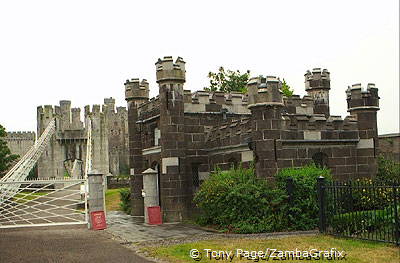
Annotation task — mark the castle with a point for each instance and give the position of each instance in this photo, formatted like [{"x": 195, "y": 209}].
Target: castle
[
  {"x": 185, "y": 135},
  {"x": 66, "y": 152}
]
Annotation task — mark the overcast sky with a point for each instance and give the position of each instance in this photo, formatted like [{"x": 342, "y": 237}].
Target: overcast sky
[{"x": 83, "y": 51}]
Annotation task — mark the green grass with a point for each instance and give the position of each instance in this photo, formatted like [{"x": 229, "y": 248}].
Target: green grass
[
  {"x": 23, "y": 197},
  {"x": 355, "y": 250},
  {"x": 113, "y": 199}
]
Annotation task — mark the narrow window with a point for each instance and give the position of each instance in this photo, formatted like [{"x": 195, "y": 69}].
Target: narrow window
[{"x": 195, "y": 176}]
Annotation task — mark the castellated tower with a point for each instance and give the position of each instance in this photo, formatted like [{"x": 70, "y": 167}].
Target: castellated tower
[
  {"x": 266, "y": 104},
  {"x": 136, "y": 93},
  {"x": 363, "y": 104},
  {"x": 174, "y": 181},
  {"x": 317, "y": 84},
  {"x": 68, "y": 144}
]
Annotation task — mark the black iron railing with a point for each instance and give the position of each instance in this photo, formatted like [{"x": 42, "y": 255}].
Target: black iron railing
[{"x": 362, "y": 209}]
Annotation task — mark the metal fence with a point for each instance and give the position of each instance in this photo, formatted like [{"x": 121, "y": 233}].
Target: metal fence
[{"x": 362, "y": 209}]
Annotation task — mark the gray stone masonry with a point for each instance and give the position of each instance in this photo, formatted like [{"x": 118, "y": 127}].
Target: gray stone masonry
[
  {"x": 96, "y": 191},
  {"x": 150, "y": 190}
]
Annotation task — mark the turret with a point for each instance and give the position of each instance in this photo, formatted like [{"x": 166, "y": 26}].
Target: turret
[
  {"x": 317, "y": 84},
  {"x": 266, "y": 103},
  {"x": 363, "y": 104},
  {"x": 137, "y": 92},
  {"x": 265, "y": 91},
  {"x": 359, "y": 98},
  {"x": 169, "y": 72},
  {"x": 170, "y": 78}
]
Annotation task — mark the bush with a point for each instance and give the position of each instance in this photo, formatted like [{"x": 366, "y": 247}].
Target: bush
[
  {"x": 238, "y": 201},
  {"x": 302, "y": 212},
  {"x": 125, "y": 197},
  {"x": 365, "y": 197},
  {"x": 388, "y": 170}
]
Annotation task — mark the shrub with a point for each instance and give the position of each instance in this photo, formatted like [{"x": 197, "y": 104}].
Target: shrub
[
  {"x": 302, "y": 212},
  {"x": 125, "y": 197},
  {"x": 388, "y": 170},
  {"x": 238, "y": 201},
  {"x": 369, "y": 194},
  {"x": 363, "y": 221}
]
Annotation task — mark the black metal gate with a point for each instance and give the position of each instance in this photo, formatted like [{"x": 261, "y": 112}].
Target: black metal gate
[{"x": 361, "y": 209}]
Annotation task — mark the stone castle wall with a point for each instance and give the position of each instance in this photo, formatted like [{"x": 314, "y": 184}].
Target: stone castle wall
[
  {"x": 69, "y": 143},
  {"x": 20, "y": 142},
  {"x": 389, "y": 146}
]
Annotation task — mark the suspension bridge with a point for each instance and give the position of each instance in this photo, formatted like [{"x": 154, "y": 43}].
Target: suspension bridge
[{"x": 43, "y": 202}]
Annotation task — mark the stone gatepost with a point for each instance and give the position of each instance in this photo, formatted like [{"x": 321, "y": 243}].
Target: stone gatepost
[
  {"x": 96, "y": 192},
  {"x": 150, "y": 191}
]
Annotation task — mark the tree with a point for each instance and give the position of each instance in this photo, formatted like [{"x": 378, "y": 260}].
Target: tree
[
  {"x": 286, "y": 89},
  {"x": 227, "y": 81},
  {"x": 6, "y": 158}
]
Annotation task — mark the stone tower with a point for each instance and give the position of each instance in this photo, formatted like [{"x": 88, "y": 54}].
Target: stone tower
[
  {"x": 174, "y": 182},
  {"x": 136, "y": 93},
  {"x": 363, "y": 104},
  {"x": 317, "y": 84},
  {"x": 266, "y": 106}
]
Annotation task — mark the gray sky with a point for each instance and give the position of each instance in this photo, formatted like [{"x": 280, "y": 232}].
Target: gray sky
[{"x": 83, "y": 51}]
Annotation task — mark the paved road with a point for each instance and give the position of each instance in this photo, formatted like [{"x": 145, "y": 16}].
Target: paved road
[{"x": 62, "y": 244}]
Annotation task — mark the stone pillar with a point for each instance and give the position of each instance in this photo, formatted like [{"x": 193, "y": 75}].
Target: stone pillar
[
  {"x": 96, "y": 192},
  {"x": 150, "y": 190}
]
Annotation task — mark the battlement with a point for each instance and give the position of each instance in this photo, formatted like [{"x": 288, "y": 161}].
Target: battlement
[
  {"x": 93, "y": 110},
  {"x": 135, "y": 89},
  {"x": 264, "y": 91},
  {"x": 167, "y": 70},
  {"x": 230, "y": 133},
  {"x": 359, "y": 97},
  {"x": 317, "y": 79},
  {"x": 297, "y": 105},
  {"x": 20, "y": 135},
  {"x": 204, "y": 101}
]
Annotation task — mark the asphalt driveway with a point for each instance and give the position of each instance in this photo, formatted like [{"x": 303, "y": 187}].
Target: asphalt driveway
[{"x": 62, "y": 244}]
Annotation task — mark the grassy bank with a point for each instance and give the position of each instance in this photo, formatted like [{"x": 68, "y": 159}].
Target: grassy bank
[
  {"x": 355, "y": 250},
  {"x": 113, "y": 199}
]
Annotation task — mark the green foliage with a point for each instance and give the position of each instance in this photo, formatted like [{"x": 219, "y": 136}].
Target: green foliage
[
  {"x": 227, "y": 81},
  {"x": 366, "y": 195},
  {"x": 286, "y": 89},
  {"x": 302, "y": 212},
  {"x": 238, "y": 201},
  {"x": 125, "y": 197},
  {"x": 6, "y": 158},
  {"x": 388, "y": 170},
  {"x": 364, "y": 221}
]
